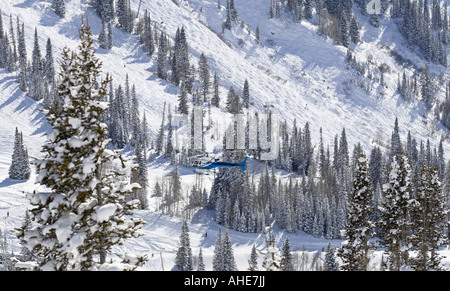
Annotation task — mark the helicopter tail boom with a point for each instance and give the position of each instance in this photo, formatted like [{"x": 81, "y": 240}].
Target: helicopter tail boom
[{"x": 243, "y": 164}]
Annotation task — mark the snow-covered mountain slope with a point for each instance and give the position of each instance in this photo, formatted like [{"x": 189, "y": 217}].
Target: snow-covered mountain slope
[{"x": 302, "y": 74}]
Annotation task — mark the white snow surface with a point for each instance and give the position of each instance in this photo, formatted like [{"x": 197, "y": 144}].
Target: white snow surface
[{"x": 302, "y": 74}]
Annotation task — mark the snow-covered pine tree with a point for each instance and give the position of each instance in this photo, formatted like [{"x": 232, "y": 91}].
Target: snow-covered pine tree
[
  {"x": 49, "y": 67},
  {"x": 26, "y": 254},
  {"x": 37, "y": 75},
  {"x": 161, "y": 70},
  {"x": 22, "y": 77},
  {"x": 141, "y": 174},
  {"x": 343, "y": 28},
  {"x": 201, "y": 264},
  {"x": 354, "y": 252},
  {"x": 354, "y": 30},
  {"x": 330, "y": 259},
  {"x": 183, "y": 258},
  {"x": 183, "y": 107},
  {"x": 160, "y": 137},
  {"x": 145, "y": 133},
  {"x": 182, "y": 64},
  {"x": 6, "y": 254},
  {"x": 173, "y": 196},
  {"x": 253, "y": 261},
  {"x": 169, "y": 150},
  {"x": 396, "y": 144},
  {"x": 217, "y": 262},
  {"x": 229, "y": 263},
  {"x": 109, "y": 36},
  {"x": 147, "y": 34},
  {"x": 429, "y": 215},
  {"x": 394, "y": 221},
  {"x": 135, "y": 119},
  {"x": 257, "y": 34},
  {"x": 287, "y": 263},
  {"x": 124, "y": 16},
  {"x": 204, "y": 76},
  {"x": 233, "y": 11},
  {"x": 83, "y": 214},
  {"x": 246, "y": 95},
  {"x": 20, "y": 166},
  {"x": 118, "y": 125},
  {"x": 227, "y": 23},
  {"x": 13, "y": 55},
  {"x": 59, "y": 7},
  {"x": 234, "y": 104},
  {"x": 103, "y": 36},
  {"x": 215, "y": 100}
]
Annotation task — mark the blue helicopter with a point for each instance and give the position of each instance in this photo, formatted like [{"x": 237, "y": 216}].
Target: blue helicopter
[{"x": 202, "y": 165}]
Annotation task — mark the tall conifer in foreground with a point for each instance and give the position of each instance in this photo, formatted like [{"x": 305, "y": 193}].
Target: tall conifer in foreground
[
  {"x": 184, "y": 254},
  {"x": 20, "y": 167},
  {"x": 359, "y": 229},
  {"x": 430, "y": 217},
  {"x": 84, "y": 213},
  {"x": 394, "y": 223}
]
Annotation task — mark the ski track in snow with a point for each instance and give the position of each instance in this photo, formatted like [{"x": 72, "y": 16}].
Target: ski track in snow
[{"x": 300, "y": 73}]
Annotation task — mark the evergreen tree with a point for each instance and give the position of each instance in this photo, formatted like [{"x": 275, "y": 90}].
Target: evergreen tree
[
  {"x": 160, "y": 137},
  {"x": 257, "y": 34},
  {"x": 135, "y": 119},
  {"x": 37, "y": 77},
  {"x": 26, "y": 254},
  {"x": 227, "y": 23},
  {"x": 216, "y": 98},
  {"x": 394, "y": 221},
  {"x": 141, "y": 175},
  {"x": 147, "y": 34},
  {"x": 49, "y": 67},
  {"x": 83, "y": 215},
  {"x": 162, "y": 57},
  {"x": 234, "y": 105},
  {"x": 23, "y": 71},
  {"x": 103, "y": 37},
  {"x": 287, "y": 263},
  {"x": 20, "y": 167},
  {"x": 59, "y": 7},
  {"x": 204, "y": 76},
  {"x": 330, "y": 260},
  {"x": 13, "y": 57},
  {"x": 218, "y": 264},
  {"x": 253, "y": 261},
  {"x": 109, "y": 37},
  {"x": 201, "y": 264},
  {"x": 430, "y": 217},
  {"x": 246, "y": 95},
  {"x": 343, "y": 33},
  {"x": 183, "y": 100},
  {"x": 124, "y": 15},
  {"x": 354, "y": 251},
  {"x": 181, "y": 64},
  {"x": 229, "y": 263},
  {"x": 396, "y": 144},
  {"x": 354, "y": 30},
  {"x": 184, "y": 254}
]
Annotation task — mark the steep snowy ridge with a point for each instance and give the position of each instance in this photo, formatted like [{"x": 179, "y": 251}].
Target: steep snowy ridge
[{"x": 302, "y": 74}]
